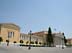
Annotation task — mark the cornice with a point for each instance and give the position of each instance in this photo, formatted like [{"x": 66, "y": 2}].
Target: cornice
[{"x": 10, "y": 25}]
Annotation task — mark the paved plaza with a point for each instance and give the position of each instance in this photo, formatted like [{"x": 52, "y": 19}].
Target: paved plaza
[{"x": 34, "y": 50}]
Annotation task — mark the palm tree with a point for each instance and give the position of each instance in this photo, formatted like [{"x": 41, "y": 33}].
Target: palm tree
[
  {"x": 7, "y": 42},
  {"x": 1, "y": 40}
]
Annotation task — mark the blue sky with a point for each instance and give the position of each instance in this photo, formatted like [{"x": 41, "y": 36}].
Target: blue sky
[{"x": 38, "y": 15}]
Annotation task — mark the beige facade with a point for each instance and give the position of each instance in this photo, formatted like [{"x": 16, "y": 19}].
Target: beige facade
[
  {"x": 69, "y": 41},
  {"x": 9, "y": 31},
  {"x": 34, "y": 38},
  {"x": 58, "y": 38}
]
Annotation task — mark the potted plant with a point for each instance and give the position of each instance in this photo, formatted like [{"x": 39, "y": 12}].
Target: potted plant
[{"x": 7, "y": 42}]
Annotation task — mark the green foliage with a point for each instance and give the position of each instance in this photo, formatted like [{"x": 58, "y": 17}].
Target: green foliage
[
  {"x": 14, "y": 42},
  {"x": 32, "y": 42},
  {"x": 7, "y": 42},
  {"x": 27, "y": 42},
  {"x": 21, "y": 41},
  {"x": 65, "y": 40},
  {"x": 40, "y": 43},
  {"x": 45, "y": 42},
  {"x": 1, "y": 39},
  {"x": 49, "y": 38},
  {"x": 36, "y": 42}
]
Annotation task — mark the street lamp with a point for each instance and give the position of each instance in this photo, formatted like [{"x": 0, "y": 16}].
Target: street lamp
[
  {"x": 63, "y": 41},
  {"x": 8, "y": 39},
  {"x": 62, "y": 44},
  {"x": 30, "y": 33}
]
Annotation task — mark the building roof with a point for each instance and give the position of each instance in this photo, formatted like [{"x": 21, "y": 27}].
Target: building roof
[
  {"x": 10, "y": 25},
  {"x": 69, "y": 39},
  {"x": 29, "y": 36},
  {"x": 42, "y": 33}
]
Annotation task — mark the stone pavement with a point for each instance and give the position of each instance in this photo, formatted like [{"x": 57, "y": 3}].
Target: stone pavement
[{"x": 34, "y": 50}]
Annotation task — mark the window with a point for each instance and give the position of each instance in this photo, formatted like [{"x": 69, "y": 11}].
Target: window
[
  {"x": 10, "y": 34},
  {"x": 22, "y": 37},
  {"x": 13, "y": 34}
]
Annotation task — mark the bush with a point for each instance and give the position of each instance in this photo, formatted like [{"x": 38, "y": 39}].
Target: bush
[
  {"x": 14, "y": 42},
  {"x": 21, "y": 41},
  {"x": 1, "y": 39},
  {"x": 7, "y": 41}
]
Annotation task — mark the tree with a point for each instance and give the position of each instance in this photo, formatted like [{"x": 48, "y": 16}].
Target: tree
[
  {"x": 36, "y": 42},
  {"x": 1, "y": 40},
  {"x": 49, "y": 38},
  {"x": 65, "y": 40},
  {"x": 7, "y": 42},
  {"x": 27, "y": 42},
  {"x": 32, "y": 42},
  {"x": 21, "y": 41},
  {"x": 14, "y": 42},
  {"x": 40, "y": 43}
]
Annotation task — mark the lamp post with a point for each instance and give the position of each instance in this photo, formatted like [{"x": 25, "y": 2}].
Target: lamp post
[
  {"x": 30, "y": 33},
  {"x": 63, "y": 41},
  {"x": 8, "y": 39},
  {"x": 62, "y": 44}
]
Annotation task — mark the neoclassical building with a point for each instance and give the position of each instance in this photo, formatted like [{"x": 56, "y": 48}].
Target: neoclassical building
[
  {"x": 69, "y": 41},
  {"x": 58, "y": 38},
  {"x": 9, "y": 31},
  {"x": 34, "y": 39}
]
